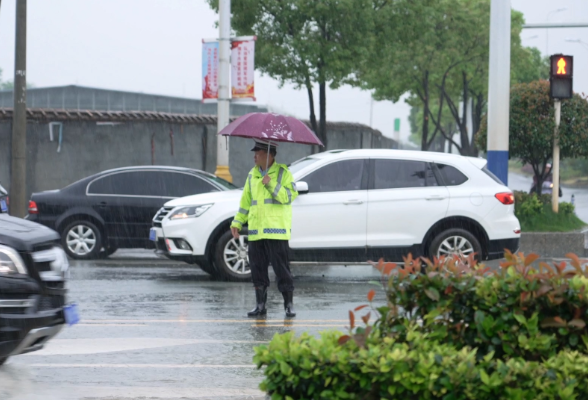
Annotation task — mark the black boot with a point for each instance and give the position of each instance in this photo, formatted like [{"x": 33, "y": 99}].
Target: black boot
[
  {"x": 260, "y": 299},
  {"x": 289, "y": 304}
]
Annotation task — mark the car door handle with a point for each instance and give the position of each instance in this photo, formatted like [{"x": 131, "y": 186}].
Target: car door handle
[
  {"x": 102, "y": 204},
  {"x": 435, "y": 198},
  {"x": 352, "y": 202}
]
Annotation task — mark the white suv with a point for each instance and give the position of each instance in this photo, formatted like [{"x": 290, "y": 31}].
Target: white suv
[{"x": 354, "y": 206}]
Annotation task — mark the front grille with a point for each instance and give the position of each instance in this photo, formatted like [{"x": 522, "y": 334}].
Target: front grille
[
  {"x": 43, "y": 266},
  {"x": 51, "y": 303},
  {"x": 161, "y": 214}
]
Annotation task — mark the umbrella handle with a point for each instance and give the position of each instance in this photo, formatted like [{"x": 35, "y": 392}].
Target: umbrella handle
[{"x": 267, "y": 159}]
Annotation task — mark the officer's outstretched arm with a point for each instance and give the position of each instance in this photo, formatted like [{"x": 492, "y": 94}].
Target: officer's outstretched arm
[
  {"x": 241, "y": 217},
  {"x": 283, "y": 189}
]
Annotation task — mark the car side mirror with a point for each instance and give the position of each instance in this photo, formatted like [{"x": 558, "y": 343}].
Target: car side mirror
[{"x": 301, "y": 187}]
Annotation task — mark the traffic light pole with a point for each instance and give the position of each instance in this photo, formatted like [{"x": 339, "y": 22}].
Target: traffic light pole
[
  {"x": 499, "y": 89},
  {"x": 19, "y": 116},
  {"x": 555, "y": 163}
]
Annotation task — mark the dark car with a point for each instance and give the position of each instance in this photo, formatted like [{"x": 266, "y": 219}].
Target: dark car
[
  {"x": 33, "y": 269},
  {"x": 114, "y": 209},
  {"x": 3, "y": 200}
]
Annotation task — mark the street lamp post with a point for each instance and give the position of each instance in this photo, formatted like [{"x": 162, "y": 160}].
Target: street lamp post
[
  {"x": 222, "y": 150},
  {"x": 547, "y": 30}
]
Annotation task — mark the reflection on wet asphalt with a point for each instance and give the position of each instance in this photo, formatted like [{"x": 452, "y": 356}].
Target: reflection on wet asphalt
[{"x": 159, "y": 330}]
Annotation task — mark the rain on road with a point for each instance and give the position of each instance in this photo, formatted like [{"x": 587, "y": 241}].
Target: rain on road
[{"x": 161, "y": 330}]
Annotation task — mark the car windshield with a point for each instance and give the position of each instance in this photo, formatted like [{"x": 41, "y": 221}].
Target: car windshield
[
  {"x": 301, "y": 164},
  {"x": 225, "y": 185}
]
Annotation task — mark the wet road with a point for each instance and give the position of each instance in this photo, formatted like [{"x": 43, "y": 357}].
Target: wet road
[
  {"x": 153, "y": 329},
  {"x": 520, "y": 182}
]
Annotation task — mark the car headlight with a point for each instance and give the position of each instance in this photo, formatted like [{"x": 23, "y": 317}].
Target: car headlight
[
  {"x": 189, "y": 212},
  {"x": 11, "y": 262}
]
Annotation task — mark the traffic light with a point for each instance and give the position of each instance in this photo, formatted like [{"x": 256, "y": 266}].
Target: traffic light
[{"x": 561, "y": 76}]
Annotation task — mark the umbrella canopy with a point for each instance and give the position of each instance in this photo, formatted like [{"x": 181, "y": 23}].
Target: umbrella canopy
[{"x": 271, "y": 127}]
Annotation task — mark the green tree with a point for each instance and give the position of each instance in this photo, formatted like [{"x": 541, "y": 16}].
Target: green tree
[
  {"x": 437, "y": 51},
  {"x": 306, "y": 42},
  {"x": 532, "y": 125}
]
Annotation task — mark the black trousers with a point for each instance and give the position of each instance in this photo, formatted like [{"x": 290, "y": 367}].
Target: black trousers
[{"x": 261, "y": 254}]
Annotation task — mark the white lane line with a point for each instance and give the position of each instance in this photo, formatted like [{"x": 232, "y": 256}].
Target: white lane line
[
  {"x": 221, "y": 321},
  {"x": 295, "y": 325},
  {"x": 217, "y": 366},
  {"x": 110, "y": 345}
]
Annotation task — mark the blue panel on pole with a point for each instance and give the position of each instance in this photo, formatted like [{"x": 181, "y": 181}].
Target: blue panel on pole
[{"x": 498, "y": 164}]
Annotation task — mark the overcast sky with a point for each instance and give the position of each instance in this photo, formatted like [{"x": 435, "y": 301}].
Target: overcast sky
[{"x": 154, "y": 46}]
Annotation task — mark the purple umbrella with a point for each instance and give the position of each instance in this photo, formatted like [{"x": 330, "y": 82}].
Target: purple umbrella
[{"x": 271, "y": 127}]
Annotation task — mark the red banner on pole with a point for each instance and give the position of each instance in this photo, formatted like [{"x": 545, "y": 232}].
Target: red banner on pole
[
  {"x": 210, "y": 55},
  {"x": 243, "y": 68}
]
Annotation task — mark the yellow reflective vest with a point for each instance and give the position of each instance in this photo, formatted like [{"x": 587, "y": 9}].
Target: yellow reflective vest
[{"x": 267, "y": 209}]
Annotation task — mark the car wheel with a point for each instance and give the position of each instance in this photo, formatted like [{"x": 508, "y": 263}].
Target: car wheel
[
  {"x": 455, "y": 241},
  {"x": 232, "y": 258},
  {"x": 82, "y": 240}
]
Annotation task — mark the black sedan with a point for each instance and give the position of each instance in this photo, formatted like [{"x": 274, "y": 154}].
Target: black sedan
[{"x": 114, "y": 209}]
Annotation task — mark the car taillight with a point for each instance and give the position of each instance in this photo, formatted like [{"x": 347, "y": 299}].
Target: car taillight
[
  {"x": 7, "y": 200},
  {"x": 505, "y": 198},
  {"x": 33, "y": 207}
]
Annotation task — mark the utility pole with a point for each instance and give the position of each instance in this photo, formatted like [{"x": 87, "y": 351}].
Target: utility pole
[
  {"x": 555, "y": 163},
  {"x": 222, "y": 149},
  {"x": 19, "y": 116},
  {"x": 499, "y": 89}
]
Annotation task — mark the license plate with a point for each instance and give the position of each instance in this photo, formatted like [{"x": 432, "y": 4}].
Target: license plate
[
  {"x": 72, "y": 316},
  {"x": 153, "y": 235},
  {"x": 3, "y": 206}
]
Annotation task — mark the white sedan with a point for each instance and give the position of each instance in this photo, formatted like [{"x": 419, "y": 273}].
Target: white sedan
[{"x": 354, "y": 206}]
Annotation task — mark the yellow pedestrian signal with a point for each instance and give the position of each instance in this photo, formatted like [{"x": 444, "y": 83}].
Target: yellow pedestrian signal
[
  {"x": 561, "y": 76},
  {"x": 561, "y": 66}
]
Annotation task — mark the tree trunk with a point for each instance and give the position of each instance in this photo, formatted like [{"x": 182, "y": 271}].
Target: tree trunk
[
  {"x": 463, "y": 126},
  {"x": 313, "y": 125},
  {"x": 323, "y": 115},
  {"x": 425, "y": 132}
]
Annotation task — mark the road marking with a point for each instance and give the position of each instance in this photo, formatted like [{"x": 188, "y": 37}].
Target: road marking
[
  {"x": 294, "y": 326},
  {"x": 206, "y": 321},
  {"x": 141, "y": 366}
]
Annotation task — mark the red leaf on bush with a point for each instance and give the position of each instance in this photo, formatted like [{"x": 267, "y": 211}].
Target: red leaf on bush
[
  {"x": 577, "y": 313},
  {"x": 531, "y": 258},
  {"x": 524, "y": 296},
  {"x": 371, "y": 295},
  {"x": 448, "y": 290},
  {"x": 389, "y": 267},
  {"x": 506, "y": 264},
  {"x": 366, "y": 318},
  {"x": 561, "y": 266},
  {"x": 344, "y": 339},
  {"x": 351, "y": 319},
  {"x": 575, "y": 261},
  {"x": 555, "y": 322},
  {"x": 379, "y": 265},
  {"x": 543, "y": 290},
  {"x": 360, "y": 307},
  {"x": 577, "y": 323}
]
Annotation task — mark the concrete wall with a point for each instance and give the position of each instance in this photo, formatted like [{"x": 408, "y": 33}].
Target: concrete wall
[{"x": 88, "y": 148}]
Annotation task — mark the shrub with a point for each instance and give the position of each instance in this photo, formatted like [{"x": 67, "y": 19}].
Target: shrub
[
  {"x": 419, "y": 368},
  {"x": 455, "y": 330},
  {"x": 518, "y": 311}
]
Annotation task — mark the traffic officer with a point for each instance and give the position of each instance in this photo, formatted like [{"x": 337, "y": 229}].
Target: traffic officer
[{"x": 266, "y": 206}]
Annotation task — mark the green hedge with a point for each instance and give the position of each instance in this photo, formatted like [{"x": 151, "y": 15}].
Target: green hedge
[
  {"x": 535, "y": 214},
  {"x": 456, "y": 330},
  {"x": 421, "y": 368}
]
